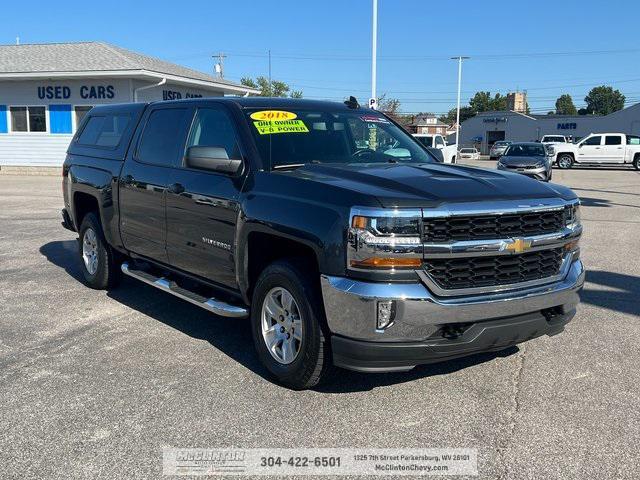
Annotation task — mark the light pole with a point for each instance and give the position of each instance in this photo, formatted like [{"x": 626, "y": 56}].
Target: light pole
[
  {"x": 459, "y": 58},
  {"x": 374, "y": 53}
]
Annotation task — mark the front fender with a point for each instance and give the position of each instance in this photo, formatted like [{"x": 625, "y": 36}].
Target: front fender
[{"x": 320, "y": 227}]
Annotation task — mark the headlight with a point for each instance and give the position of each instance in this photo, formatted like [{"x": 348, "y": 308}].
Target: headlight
[
  {"x": 572, "y": 215},
  {"x": 381, "y": 239}
]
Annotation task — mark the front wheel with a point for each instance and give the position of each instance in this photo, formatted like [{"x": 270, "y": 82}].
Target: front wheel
[
  {"x": 286, "y": 316},
  {"x": 636, "y": 162},
  {"x": 565, "y": 161}
]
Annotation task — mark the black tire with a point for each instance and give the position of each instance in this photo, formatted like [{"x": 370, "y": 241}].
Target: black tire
[
  {"x": 636, "y": 162},
  {"x": 313, "y": 360},
  {"x": 565, "y": 161},
  {"x": 107, "y": 272}
]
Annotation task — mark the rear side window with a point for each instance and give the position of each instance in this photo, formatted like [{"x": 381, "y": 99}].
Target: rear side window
[
  {"x": 104, "y": 131},
  {"x": 162, "y": 139},
  {"x": 613, "y": 140},
  {"x": 633, "y": 140}
]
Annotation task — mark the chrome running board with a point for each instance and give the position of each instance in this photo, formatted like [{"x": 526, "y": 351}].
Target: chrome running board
[{"x": 211, "y": 304}]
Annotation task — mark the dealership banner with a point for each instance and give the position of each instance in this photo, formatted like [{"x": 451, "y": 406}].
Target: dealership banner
[{"x": 319, "y": 461}]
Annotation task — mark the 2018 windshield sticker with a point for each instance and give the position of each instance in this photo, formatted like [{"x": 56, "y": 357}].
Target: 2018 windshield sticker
[
  {"x": 266, "y": 127},
  {"x": 273, "y": 115}
]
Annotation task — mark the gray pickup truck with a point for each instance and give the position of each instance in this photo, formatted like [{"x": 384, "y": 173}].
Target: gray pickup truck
[{"x": 327, "y": 225}]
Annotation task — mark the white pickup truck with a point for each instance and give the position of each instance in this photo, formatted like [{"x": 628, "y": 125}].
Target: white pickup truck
[
  {"x": 437, "y": 141},
  {"x": 601, "y": 149}
]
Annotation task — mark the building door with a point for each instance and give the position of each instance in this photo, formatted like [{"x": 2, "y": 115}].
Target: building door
[{"x": 494, "y": 136}]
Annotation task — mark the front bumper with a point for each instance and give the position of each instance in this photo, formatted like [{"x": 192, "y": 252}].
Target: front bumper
[
  {"x": 423, "y": 322},
  {"x": 540, "y": 173}
]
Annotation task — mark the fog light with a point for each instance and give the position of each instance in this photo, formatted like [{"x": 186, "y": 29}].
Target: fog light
[{"x": 386, "y": 314}]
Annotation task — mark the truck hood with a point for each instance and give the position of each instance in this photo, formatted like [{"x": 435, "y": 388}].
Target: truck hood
[{"x": 428, "y": 185}]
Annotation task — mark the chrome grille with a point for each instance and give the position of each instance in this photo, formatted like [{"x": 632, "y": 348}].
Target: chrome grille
[
  {"x": 475, "y": 227},
  {"x": 473, "y": 272}
]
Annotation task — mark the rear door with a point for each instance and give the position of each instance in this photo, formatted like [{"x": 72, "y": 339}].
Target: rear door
[
  {"x": 613, "y": 149},
  {"x": 145, "y": 176},
  {"x": 202, "y": 206},
  {"x": 591, "y": 150}
]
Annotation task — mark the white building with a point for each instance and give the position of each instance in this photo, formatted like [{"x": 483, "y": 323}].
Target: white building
[
  {"x": 46, "y": 89},
  {"x": 486, "y": 128}
]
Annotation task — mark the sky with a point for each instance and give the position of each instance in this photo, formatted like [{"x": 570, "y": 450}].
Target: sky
[{"x": 323, "y": 48}]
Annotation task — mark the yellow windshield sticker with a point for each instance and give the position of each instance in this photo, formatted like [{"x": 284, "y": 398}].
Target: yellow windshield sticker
[
  {"x": 273, "y": 115},
  {"x": 266, "y": 127}
]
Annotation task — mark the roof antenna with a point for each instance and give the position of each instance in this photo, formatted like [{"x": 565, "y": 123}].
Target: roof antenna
[{"x": 352, "y": 102}]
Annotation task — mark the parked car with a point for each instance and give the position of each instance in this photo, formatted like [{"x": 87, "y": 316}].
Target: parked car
[
  {"x": 340, "y": 254},
  {"x": 498, "y": 149},
  {"x": 449, "y": 152},
  {"x": 600, "y": 149},
  {"x": 470, "y": 153},
  {"x": 528, "y": 158}
]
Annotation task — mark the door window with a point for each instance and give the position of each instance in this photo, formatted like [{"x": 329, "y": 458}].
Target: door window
[
  {"x": 439, "y": 142},
  {"x": 214, "y": 128},
  {"x": 593, "y": 140},
  {"x": 160, "y": 143},
  {"x": 613, "y": 140}
]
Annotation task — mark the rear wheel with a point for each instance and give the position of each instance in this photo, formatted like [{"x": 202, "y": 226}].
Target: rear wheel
[
  {"x": 99, "y": 267},
  {"x": 565, "y": 161},
  {"x": 286, "y": 324}
]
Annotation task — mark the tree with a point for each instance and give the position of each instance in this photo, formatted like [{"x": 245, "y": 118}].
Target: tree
[
  {"x": 604, "y": 100},
  {"x": 275, "y": 88},
  {"x": 391, "y": 107},
  {"x": 565, "y": 106},
  {"x": 450, "y": 117},
  {"x": 484, "y": 102}
]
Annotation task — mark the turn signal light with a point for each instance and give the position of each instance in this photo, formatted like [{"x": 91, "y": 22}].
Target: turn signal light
[
  {"x": 380, "y": 262},
  {"x": 359, "y": 222}
]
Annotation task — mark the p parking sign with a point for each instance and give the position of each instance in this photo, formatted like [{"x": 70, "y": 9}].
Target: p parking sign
[{"x": 373, "y": 103}]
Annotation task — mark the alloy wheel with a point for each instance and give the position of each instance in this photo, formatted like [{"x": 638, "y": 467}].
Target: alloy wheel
[
  {"x": 90, "y": 251},
  {"x": 281, "y": 324}
]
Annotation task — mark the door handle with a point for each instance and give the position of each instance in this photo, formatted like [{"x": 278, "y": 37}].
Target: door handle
[
  {"x": 176, "y": 188},
  {"x": 128, "y": 179}
]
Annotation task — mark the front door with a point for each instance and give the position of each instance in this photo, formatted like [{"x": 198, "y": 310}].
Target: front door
[
  {"x": 202, "y": 206},
  {"x": 143, "y": 182},
  {"x": 590, "y": 151}
]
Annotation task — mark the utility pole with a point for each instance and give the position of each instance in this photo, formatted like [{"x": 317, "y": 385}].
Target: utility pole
[
  {"x": 219, "y": 68},
  {"x": 373, "y": 103},
  {"x": 459, "y": 58},
  {"x": 17, "y": 40},
  {"x": 270, "y": 85}
]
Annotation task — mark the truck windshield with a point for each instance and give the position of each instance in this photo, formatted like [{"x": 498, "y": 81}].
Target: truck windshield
[{"x": 293, "y": 138}]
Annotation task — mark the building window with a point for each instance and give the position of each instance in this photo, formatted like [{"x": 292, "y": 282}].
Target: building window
[
  {"x": 80, "y": 112},
  {"x": 28, "y": 119}
]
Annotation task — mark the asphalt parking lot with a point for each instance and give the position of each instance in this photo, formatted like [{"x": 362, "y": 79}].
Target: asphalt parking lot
[{"x": 93, "y": 384}]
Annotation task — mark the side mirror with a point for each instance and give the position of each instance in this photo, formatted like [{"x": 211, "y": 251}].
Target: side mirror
[{"x": 215, "y": 159}]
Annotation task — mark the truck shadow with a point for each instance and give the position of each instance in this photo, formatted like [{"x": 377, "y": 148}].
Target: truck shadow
[
  {"x": 621, "y": 292},
  {"x": 233, "y": 336}
]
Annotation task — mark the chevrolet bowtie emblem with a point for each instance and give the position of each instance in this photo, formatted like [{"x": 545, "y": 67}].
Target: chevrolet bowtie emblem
[{"x": 519, "y": 245}]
